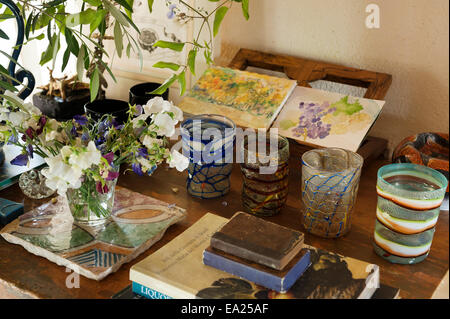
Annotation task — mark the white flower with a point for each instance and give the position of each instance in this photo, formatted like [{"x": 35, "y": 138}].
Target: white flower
[
  {"x": 32, "y": 109},
  {"x": 31, "y": 122},
  {"x": 53, "y": 135},
  {"x": 61, "y": 176},
  {"x": 149, "y": 141},
  {"x": 177, "y": 112},
  {"x": 179, "y": 161},
  {"x": 85, "y": 159},
  {"x": 18, "y": 118},
  {"x": 166, "y": 125},
  {"x": 145, "y": 163},
  {"x": 157, "y": 105},
  {"x": 137, "y": 119}
]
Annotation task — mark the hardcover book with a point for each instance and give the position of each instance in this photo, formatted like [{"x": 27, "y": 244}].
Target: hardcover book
[
  {"x": 255, "y": 239},
  {"x": 177, "y": 270},
  {"x": 326, "y": 119},
  {"x": 249, "y": 99},
  {"x": 278, "y": 280},
  {"x": 136, "y": 291}
]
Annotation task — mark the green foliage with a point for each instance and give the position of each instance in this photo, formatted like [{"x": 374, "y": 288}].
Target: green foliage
[
  {"x": 85, "y": 31},
  {"x": 176, "y": 46},
  {"x": 166, "y": 65},
  {"x": 195, "y": 47},
  {"x": 220, "y": 14}
]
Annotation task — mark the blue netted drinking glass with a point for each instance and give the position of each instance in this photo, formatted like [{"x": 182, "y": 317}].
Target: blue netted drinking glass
[
  {"x": 208, "y": 141},
  {"x": 330, "y": 179}
]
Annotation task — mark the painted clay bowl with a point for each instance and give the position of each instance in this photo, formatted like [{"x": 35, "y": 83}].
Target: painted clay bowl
[{"x": 428, "y": 149}]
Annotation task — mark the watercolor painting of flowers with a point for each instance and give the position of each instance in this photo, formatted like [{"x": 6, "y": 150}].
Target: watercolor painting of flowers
[
  {"x": 249, "y": 99},
  {"x": 326, "y": 119}
]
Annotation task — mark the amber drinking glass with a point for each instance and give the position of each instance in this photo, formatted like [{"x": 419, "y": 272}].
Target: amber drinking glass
[{"x": 265, "y": 186}]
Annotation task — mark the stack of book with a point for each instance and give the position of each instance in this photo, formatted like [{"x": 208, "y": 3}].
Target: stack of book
[
  {"x": 260, "y": 251},
  {"x": 177, "y": 271}
]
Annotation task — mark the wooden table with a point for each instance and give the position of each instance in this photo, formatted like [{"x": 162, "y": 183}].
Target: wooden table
[{"x": 24, "y": 275}]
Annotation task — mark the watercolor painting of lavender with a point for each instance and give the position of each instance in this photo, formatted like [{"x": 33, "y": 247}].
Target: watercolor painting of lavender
[{"x": 327, "y": 119}]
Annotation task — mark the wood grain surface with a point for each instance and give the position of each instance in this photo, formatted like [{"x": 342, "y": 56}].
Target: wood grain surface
[{"x": 25, "y": 275}]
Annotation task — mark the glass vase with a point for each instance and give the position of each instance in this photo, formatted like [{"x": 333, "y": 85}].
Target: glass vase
[
  {"x": 92, "y": 204},
  {"x": 330, "y": 179}
]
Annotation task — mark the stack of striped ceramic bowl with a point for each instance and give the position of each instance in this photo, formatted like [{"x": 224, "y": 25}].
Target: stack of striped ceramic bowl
[{"x": 409, "y": 199}]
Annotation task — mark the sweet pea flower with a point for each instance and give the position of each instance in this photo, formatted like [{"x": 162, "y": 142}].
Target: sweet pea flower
[
  {"x": 86, "y": 158},
  {"x": 109, "y": 157},
  {"x": 166, "y": 125},
  {"x": 81, "y": 119},
  {"x": 137, "y": 169},
  {"x": 157, "y": 105},
  {"x": 178, "y": 160},
  {"x": 102, "y": 189},
  {"x": 149, "y": 141},
  {"x": 177, "y": 113},
  {"x": 61, "y": 176},
  {"x": 20, "y": 160}
]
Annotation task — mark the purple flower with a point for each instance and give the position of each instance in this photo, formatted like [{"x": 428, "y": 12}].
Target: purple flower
[
  {"x": 73, "y": 131},
  {"x": 101, "y": 189},
  {"x": 143, "y": 152},
  {"x": 109, "y": 157},
  {"x": 30, "y": 150},
  {"x": 41, "y": 124},
  {"x": 117, "y": 125},
  {"x": 139, "y": 110},
  {"x": 30, "y": 133},
  {"x": 20, "y": 160},
  {"x": 112, "y": 176},
  {"x": 12, "y": 139},
  {"x": 80, "y": 119},
  {"x": 137, "y": 169},
  {"x": 171, "y": 12},
  {"x": 85, "y": 137}
]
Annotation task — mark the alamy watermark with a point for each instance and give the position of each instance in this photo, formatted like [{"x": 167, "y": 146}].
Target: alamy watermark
[{"x": 207, "y": 145}]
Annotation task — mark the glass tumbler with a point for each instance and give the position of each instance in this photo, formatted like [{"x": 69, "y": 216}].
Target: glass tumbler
[
  {"x": 265, "y": 187},
  {"x": 408, "y": 207},
  {"x": 208, "y": 141},
  {"x": 330, "y": 180}
]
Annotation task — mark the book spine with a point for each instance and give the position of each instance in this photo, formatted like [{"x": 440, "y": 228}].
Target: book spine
[
  {"x": 241, "y": 252},
  {"x": 148, "y": 292},
  {"x": 257, "y": 276}
]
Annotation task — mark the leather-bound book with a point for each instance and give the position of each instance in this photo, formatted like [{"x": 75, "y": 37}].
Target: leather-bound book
[
  {"x": 257, "y": 240},
  {"x": 277, "y": 280}
]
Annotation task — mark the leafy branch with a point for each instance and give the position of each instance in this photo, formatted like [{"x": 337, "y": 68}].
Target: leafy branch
[{"x": 194, "y": 47}]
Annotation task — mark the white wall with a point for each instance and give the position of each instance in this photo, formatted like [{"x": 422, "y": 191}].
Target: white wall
[{"x": 412, "y": 44}]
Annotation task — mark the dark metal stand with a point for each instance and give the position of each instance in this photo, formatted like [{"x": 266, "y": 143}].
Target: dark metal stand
[{"x": 21, "y": 74}]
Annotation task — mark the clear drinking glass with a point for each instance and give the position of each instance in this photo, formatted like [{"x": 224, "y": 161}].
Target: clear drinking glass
[
  {"x": 265, "y": 193},
  {"x": 208, "y": 141},
  {"x": 408, "y": 207},
  {"x": 330, "y": 179}
]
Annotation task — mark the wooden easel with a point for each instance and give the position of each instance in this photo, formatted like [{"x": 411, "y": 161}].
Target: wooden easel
[{"x": 306, "y": 71}]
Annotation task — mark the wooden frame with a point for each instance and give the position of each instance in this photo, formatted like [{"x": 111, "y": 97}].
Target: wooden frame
[{"x": 306, "y": 71}]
